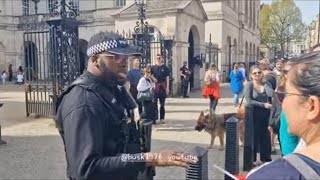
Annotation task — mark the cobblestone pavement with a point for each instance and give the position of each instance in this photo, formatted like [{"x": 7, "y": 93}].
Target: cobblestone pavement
[{"x": 35, "y": 150}]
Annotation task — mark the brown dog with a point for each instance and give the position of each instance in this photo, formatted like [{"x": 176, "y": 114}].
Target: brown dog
[{"x": 215, "y": 125}]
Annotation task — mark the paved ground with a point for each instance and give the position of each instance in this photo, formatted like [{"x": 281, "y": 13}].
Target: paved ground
[{"x": 35, "y": 150}]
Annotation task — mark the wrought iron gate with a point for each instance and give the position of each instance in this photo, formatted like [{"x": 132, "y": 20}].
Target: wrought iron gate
[
  {"x": 38, "y": 86},
  {"x": 51, "y": 58}
]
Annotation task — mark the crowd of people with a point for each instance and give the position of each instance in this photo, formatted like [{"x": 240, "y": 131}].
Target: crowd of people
[
  {"x": 149, "y": 87},
  {"x": 93, "y": 114},
  {"x": 297, "y": 104},
  {"x": 9, "y": 75},
  {"x": 285, "y": 102},
  {"x": 284, "y": 95}
]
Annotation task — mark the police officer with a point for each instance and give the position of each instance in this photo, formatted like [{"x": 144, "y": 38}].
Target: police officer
[
  {"x": 92, "y": 118},
  {"x": 184, "y": 76}
]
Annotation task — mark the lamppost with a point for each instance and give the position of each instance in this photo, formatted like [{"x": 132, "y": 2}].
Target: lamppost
[
  {"x": 141, "y": 25},
  {"x": 141, "y": 34},
  {"x": 64, "y": 13},
  {"x": 217, "y": 50}
]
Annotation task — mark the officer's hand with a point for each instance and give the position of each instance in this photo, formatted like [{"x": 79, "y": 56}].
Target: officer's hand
[{"x": 169, "y": 158}]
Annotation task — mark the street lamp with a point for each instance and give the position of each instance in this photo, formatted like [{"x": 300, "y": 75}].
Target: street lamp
[
  {"x": 64, "y": 13},
  {"x": 141, "y": 25}
]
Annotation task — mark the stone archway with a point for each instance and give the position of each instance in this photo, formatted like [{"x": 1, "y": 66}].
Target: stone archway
[
  {"x": 250, "y": 53},
  {"x": 246, "y": 56},
  {"x": 254, "y": 53},
  {"x": 228, "y": 65},
  {"x": 194, "y": 59},
  {"x": 235, "y": 51},
  {"x": 31, "y": 60}
]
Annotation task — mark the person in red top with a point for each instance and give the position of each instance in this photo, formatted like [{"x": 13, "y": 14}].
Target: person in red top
[{"x": 212, "y": 87}]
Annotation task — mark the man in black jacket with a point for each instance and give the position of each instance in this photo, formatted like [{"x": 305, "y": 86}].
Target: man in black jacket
[{"x": 92, "y": 116}]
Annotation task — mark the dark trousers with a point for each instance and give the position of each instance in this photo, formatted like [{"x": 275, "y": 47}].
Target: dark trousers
[
  {"x": 261, "y": 136},
  {"x": 162, "y": 109},
  {"x": 213, "y": 103},
  {"x": 10, "y": 76},
  {"x": 184, "y": 88},
  {"x": 148, "y": 110}
]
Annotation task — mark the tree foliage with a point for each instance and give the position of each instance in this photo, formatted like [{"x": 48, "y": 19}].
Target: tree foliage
[{"x": 280, "y": 21}]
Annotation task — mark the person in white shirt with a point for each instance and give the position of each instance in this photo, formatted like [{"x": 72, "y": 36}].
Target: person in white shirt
[
  {"x": 147, "y": 82},
  {"x": 4, "y": 77},
  {"x": 19, "y": 78}
]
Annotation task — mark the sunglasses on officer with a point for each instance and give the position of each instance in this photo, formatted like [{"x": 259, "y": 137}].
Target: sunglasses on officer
[{"x": 116, "y": 57}]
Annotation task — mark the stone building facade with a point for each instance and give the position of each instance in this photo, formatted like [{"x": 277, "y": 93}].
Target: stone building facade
[
  {"x": 231, "y": 24},
  {"x": 236, "y": 32},
  {"x": 312, "y": 35}
]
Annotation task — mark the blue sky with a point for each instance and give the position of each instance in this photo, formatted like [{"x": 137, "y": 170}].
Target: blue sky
[{"x": 309, "y": 9}]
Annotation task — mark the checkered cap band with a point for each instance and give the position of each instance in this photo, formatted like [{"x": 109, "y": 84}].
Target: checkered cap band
[{"x": 106, "y": 45}]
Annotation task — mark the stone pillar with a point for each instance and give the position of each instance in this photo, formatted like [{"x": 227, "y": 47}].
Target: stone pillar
[
  {"x": 197, "y": 80},
  {"x": 180, "y": 54}
]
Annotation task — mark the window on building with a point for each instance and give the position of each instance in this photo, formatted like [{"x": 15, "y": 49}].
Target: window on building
[
  {"x": 75, "y": 5},
  {"x": 50, "y": 4},
  {"x": 120, "y": 3},
  {"x": 25, "y": 7}
]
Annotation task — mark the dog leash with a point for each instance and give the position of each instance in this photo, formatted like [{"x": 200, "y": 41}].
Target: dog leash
[{"x": 241, "y": 101}]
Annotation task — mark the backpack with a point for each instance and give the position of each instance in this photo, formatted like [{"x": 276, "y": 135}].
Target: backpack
[{"x": 302, "y": 167}]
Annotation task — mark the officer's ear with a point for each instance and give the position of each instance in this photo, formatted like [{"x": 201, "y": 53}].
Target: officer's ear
[{"x": 94, "y": 60}]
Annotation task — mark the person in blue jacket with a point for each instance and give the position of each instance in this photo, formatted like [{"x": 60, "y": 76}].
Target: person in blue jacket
[{"x": 236, "y": 84}]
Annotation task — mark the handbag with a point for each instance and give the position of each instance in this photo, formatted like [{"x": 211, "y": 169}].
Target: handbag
[
  {"x": 146, "y": 95},
  {"x": 208, "y": 82},
  {"x": 275, "y": 124}
]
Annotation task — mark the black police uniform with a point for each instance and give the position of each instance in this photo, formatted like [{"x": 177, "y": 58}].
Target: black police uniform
[
  {"x": 91, "y": 116},
  {"x": 184, "y": 81}
]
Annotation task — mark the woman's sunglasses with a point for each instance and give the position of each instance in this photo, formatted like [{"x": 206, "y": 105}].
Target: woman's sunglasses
[
  {"x": 282, "y": 95},
  {"x": 256, "y": 73}
]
